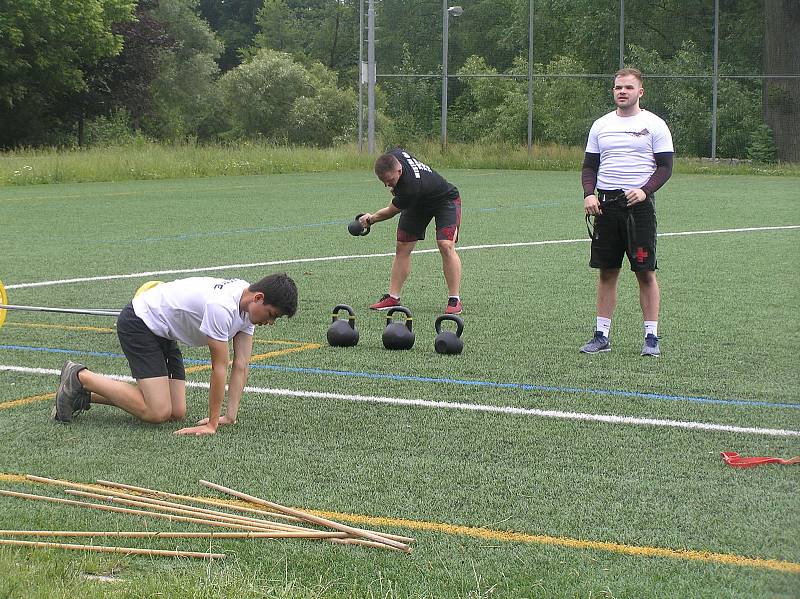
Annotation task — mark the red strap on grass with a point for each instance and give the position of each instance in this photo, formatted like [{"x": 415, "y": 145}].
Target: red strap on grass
[{"x": 732, "y": 459}]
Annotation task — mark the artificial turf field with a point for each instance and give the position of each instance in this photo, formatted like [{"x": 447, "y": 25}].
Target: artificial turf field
[{"x": 546, "y": 499}]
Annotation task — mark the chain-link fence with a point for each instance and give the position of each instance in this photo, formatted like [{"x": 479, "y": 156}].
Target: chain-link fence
[{"x": 724, "y": 74}]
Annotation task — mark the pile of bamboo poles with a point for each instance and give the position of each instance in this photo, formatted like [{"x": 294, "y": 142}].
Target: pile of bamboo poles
[{"x": 258, "y": 523}]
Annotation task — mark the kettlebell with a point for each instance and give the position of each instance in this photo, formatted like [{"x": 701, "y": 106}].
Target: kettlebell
[
  {"x": 398, "y": 335},
  {"x": 343, "y": 333},
  {"x": 448, "y": 342},
  {"x": 356, "y": 228}
]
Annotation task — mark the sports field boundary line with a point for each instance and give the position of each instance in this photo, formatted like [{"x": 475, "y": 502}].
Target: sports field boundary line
[
  {"x": 508, "y": 536},
  {"x": 448, "y": 381},
  {"x": 486, "y": 246},
  {"x": 465, "y": 407}
]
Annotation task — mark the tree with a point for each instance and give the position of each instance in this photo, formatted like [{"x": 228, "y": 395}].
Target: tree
[
  {"x": 781, "y": 97},
  {"x": 183, "y": 90},
  {"x": 46, "y": 48},
  {"x": 273, "y": 97}
]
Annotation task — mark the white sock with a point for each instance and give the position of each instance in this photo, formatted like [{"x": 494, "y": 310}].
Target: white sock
[
  {"x": 603, "y": 325},
  {"x": 651, "y": 328},
  {"x": 394, "y": 296},
  {"x": 455, "y": 297}
]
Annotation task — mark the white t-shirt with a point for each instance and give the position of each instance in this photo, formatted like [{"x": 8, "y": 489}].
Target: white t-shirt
[
  {"x": 626, "y": 146},
  {"x": 190, "y": 310}
]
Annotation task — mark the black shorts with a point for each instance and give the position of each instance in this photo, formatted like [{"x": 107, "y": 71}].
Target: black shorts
[
  {"x": 413, "y": 222},
  {"x": 627, "y": 231},
  {"x": 149, "y": 355}
]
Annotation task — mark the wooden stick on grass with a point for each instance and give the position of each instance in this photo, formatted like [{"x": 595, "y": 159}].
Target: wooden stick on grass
[
  {"x": 357, "y": 532},
  {"x": 267, "y": 534},
  {"x": 107, "y": 549},
  {"x": 201, "y": 500}
]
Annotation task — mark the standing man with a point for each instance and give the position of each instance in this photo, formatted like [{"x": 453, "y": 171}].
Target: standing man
[
  {"x": 628, "y": 157},
  {"x": 196, "y": 311},
  {"x": 420, "y": 194}
]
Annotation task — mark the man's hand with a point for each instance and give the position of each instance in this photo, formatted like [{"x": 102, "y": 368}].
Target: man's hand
[
  {"x": 592, "y": 205},
  {"x": 634, "y": 196},
  {"x": 366, "y": 220},
  {"x": 205, "y": 429},
  {"x": 224, "y": 419}
]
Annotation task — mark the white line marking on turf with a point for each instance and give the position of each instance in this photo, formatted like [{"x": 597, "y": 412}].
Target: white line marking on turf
[
  {"x": 606, "y": 418},
  {"x": 486, "y": 246}
]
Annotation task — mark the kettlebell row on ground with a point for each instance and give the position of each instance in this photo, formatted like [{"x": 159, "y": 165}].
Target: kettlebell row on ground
[{"x": 397, "y": 334}]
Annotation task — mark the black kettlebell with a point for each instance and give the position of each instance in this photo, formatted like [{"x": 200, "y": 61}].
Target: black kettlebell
[
  {"x": 398, "y": 335},
  {"x": 343, "y": 333},
  {"x": 356, "y": 228},
  {"x": 448, "y": 342}
]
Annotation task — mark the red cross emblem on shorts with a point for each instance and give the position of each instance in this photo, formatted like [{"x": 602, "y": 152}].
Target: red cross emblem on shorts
[{"x": 641, "y": 254}]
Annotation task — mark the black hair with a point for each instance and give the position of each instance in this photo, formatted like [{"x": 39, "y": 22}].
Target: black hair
[{"x": 280, "y": 291}]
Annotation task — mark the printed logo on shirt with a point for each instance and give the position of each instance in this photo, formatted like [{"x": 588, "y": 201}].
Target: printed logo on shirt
[
  {"x": 223, "y": 283},
  {"x": 639, "y": 133},
  {"x": 416, "y": 165}
]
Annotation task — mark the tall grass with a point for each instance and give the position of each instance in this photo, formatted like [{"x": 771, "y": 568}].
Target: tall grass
[{"x": 147, "y": 160}]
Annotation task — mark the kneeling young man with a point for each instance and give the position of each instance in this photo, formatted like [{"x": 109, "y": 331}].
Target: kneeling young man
[{"x": 196, "y": 311}]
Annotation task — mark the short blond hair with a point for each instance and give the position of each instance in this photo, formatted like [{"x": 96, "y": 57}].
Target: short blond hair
[{"x": 629, "y": 71}]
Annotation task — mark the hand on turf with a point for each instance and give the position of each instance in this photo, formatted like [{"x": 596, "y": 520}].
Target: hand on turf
[
  {"x": 224, "y": 419},
  {"x": 634, "y": 196},
  {"x": 197, "y": 430}
]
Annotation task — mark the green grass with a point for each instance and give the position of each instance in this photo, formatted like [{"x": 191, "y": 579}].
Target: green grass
[
  {"x": 150, "y": 161},
  {"x": 728, "y": 326}
]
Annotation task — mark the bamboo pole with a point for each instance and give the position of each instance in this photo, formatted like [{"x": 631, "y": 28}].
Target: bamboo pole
[
  {"x": 369, "y": 535},
  {"x": 107, "y": 549},
  {"x": 228, "y": 504},
  {"x": 122, "y": 510},
  {"x": 101, "y": 489},
  {"x": 201, "y": 500},
  {"x": 185, "y": 511},
  {"x": 267, "y": 534}
]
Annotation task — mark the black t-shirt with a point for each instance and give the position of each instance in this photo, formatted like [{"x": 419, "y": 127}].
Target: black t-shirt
[{"x": 419, "y": 185}]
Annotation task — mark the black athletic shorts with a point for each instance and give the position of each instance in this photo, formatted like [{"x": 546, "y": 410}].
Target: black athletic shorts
[
  {"x": 149, "y": 355},
  {"x": 414, "y": 221},
  {"x": 623, "y": 231}
]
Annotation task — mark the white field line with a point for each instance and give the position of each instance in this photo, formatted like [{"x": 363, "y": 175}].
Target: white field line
[
  {"x": 605, "y": 418},
  {"x": 152, "y": 273}
]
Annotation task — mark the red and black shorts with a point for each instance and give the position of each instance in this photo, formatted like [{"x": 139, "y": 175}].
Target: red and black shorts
[
  {"x": 413, "y": 222},
  {"x": 149, "y": 355},
  {"x": 621, "y": 231}
]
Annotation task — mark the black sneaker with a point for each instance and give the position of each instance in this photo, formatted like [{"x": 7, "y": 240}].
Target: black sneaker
[{"x": 71, "y": 397}]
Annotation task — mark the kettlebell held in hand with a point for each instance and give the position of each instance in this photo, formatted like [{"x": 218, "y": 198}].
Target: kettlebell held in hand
[
  {"x": 355, "y": 227},
  {"x": 343, "y": 333},
  {"x": 398, "y": 335},
  {"x": 448, "y": 342}
]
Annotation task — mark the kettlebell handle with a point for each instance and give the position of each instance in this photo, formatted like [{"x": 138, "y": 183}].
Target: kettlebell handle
[
  {"x": 402, "y": 310},
  {"x": 456, "y": 319},
  {"x": 351, "y": 313}
]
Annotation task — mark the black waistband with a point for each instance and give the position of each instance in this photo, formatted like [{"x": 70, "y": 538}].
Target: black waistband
[{"x": 610, "y": 195}]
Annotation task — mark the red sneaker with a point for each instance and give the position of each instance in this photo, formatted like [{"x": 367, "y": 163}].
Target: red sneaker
[
  {"x": 386, "y": 302},
  {"x": 453, "y": 306}
]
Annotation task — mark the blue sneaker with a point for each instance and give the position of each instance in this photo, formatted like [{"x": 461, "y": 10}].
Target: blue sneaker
[
  {"x": 650, "y": 347},
  {"x": 596, "y": 344}
]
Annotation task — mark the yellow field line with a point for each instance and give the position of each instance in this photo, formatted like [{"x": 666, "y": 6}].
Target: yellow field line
[
  {"x": 279, "y": 352},
  {"x": 518, "y": 537},
  {"x": 22, "y": 401},
  {"x": 257, "y": 357},
  {"x": 62, "y": 327}
]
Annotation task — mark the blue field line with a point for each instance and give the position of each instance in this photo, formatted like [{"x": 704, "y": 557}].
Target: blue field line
[
  {"x": 470, "y": 383},
  {"x": 186, "y": 236},
  {"x": 277, "y": 228}
]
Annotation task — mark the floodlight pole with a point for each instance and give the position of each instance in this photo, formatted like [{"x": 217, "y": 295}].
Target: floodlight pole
[
  {"x": 456, "y": 11},
  {"x": 371, "y": 77}
]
